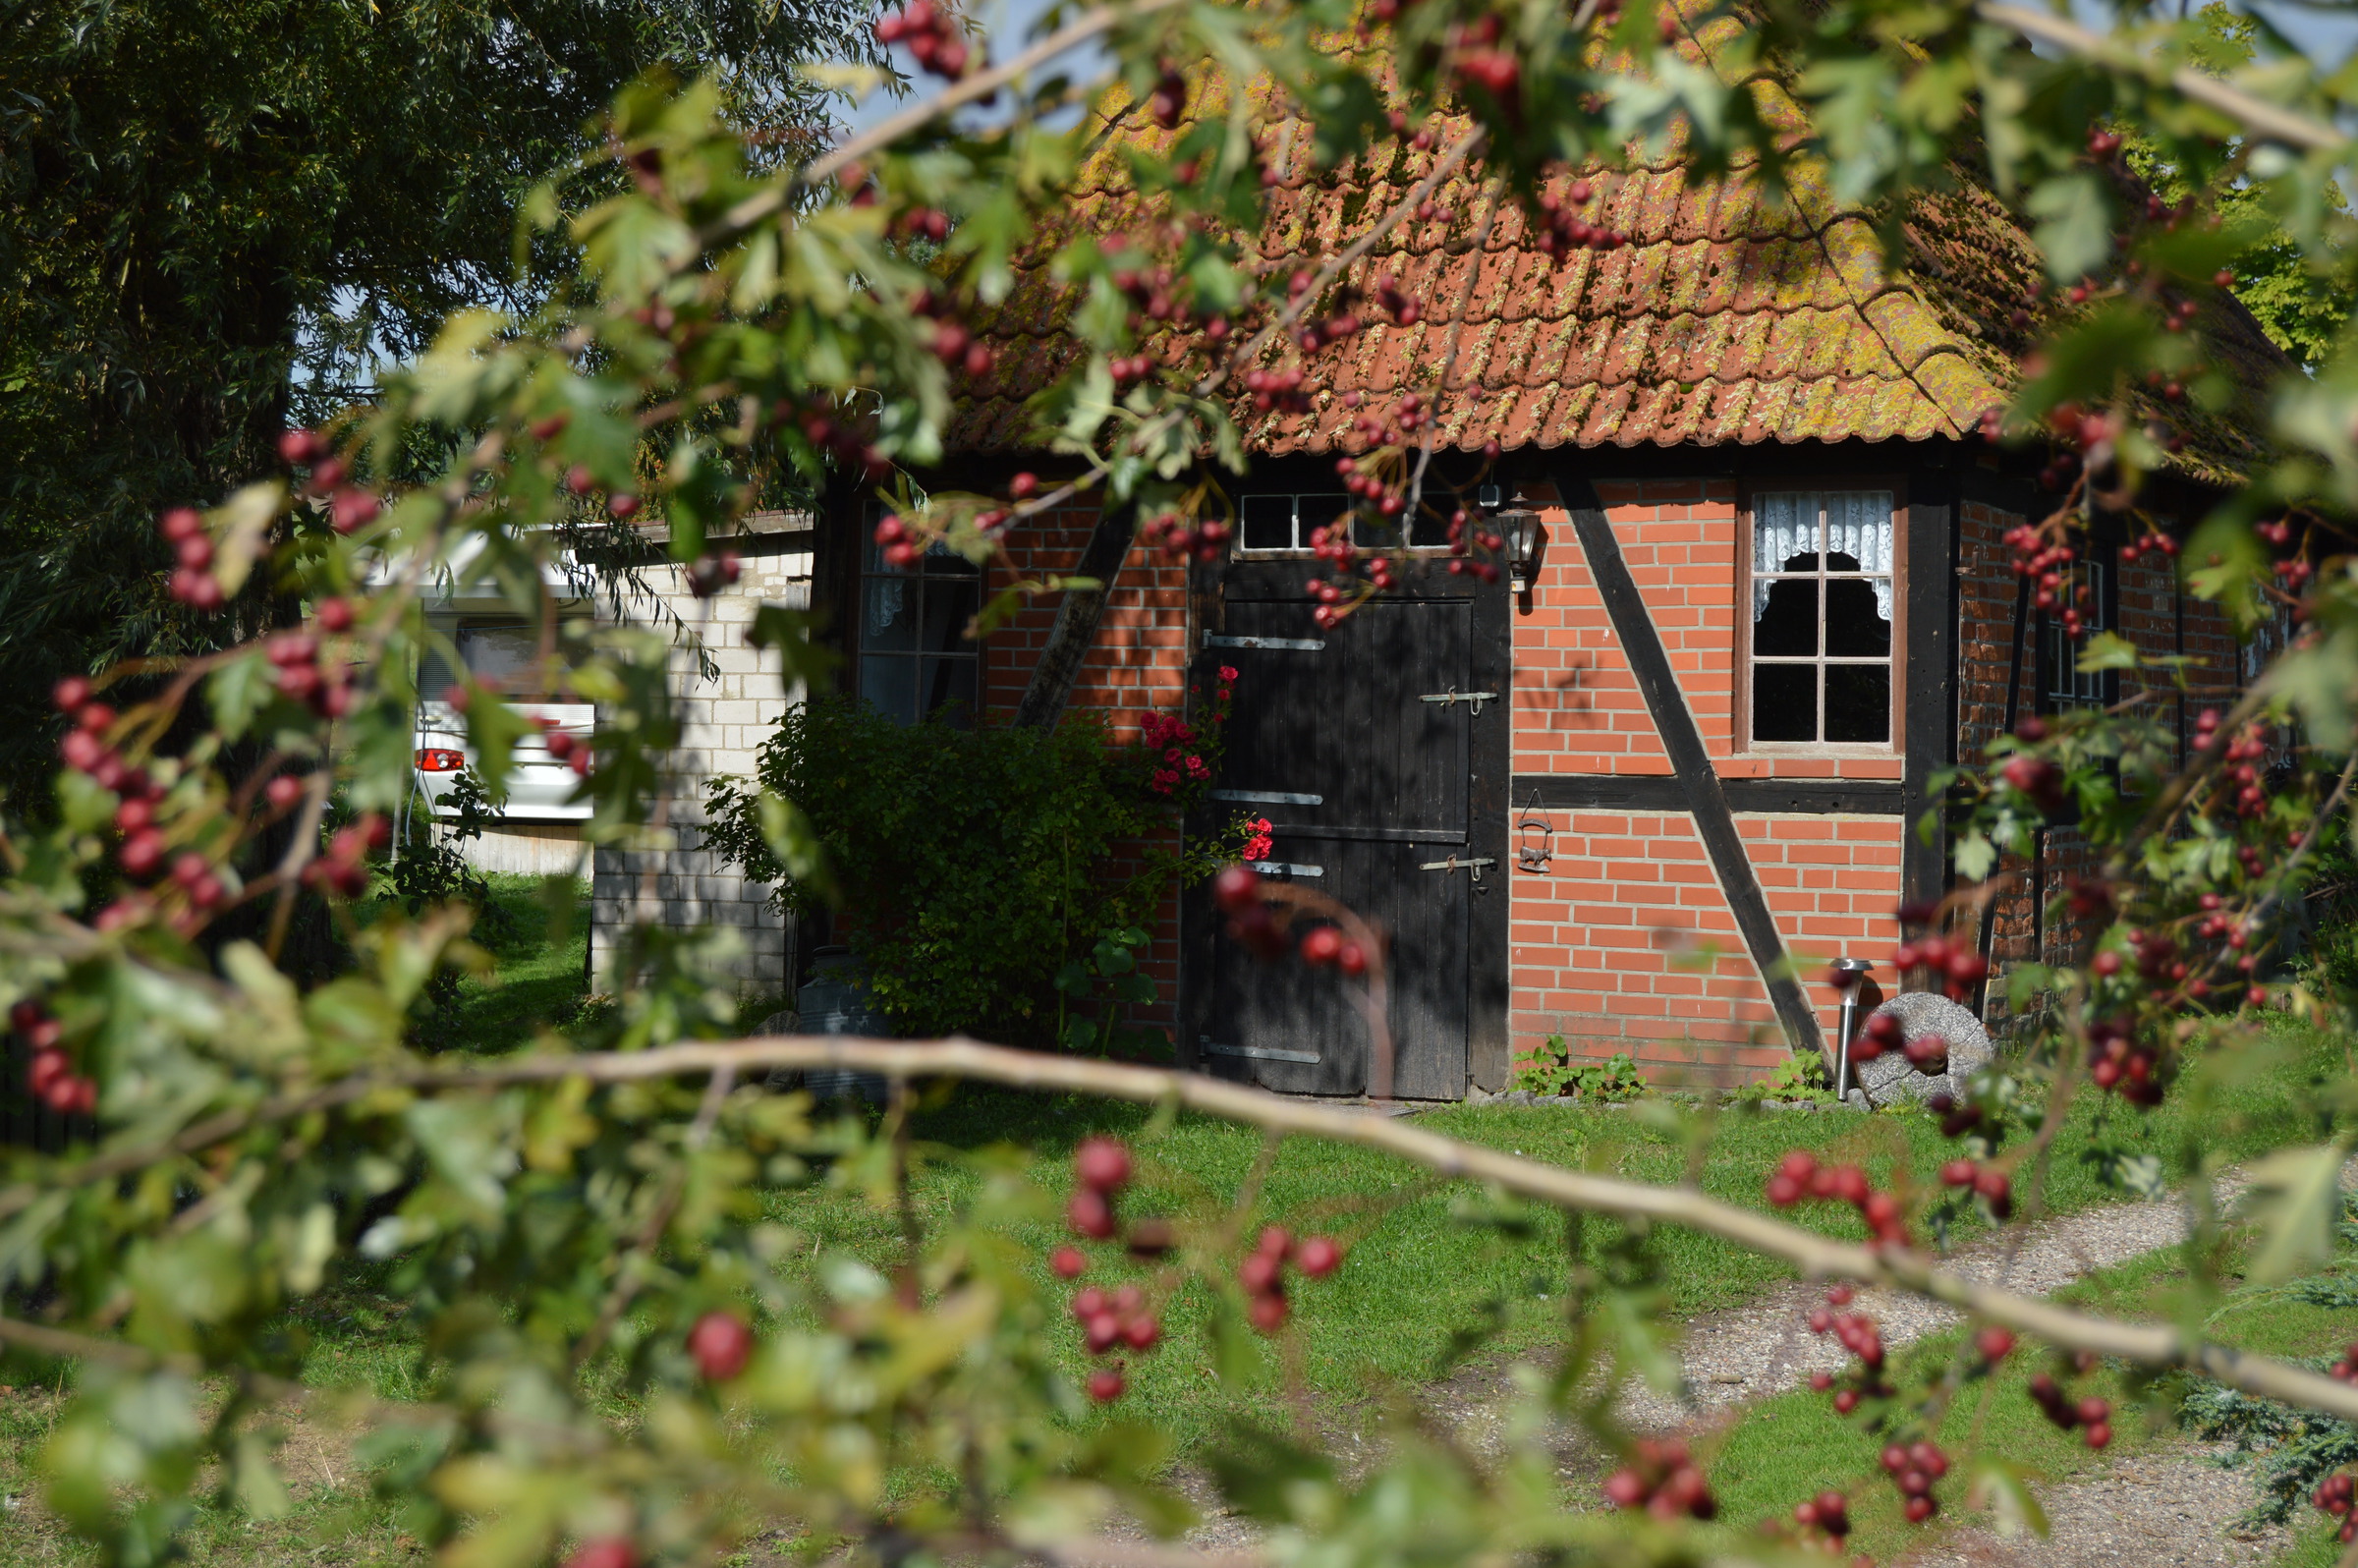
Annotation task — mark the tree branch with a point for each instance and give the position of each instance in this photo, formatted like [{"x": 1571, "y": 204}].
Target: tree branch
[
  {"x": 2262, "y": 119},
  {"x": 1814, "y": 1255}
]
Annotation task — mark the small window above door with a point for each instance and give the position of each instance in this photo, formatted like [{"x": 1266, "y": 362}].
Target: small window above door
[{"x": 1282, "y": 525}]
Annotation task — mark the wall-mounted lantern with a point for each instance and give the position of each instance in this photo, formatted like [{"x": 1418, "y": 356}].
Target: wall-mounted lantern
[{"x": 1526, "y": 543}]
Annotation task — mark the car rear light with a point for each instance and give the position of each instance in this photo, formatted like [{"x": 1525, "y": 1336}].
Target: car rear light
[{"x": 433, "y": 759}]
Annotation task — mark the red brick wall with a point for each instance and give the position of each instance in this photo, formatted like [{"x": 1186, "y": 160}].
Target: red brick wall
[
  {"x": 1626, "y": 942},
  {"x": 1138, "y": 662}
]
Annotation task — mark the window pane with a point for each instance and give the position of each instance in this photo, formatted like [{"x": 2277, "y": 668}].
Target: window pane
[
  {"x": 949, "y": 608},
  {"x": 889, "y": 621},
  {"x": 506, "y": 659},
  {"x": 1784, "y": 701},
  {"x": 1857, "y": 702},
  {"x": 1785, "y": 531},
  {"x": 1373, "y": 532},
  {"x": 1785, "y": 618},
  {"x": 888, "y": 683},
  {"x": 1318, "y": 511},
  {"x": 1858, "y": 617},
  {"x": 939, "y": 560},
  {"x": 1268, "y": 522},
  {"x": 949, "y": 689},
  {"x": 1431, "y": 528},
  {"x": 1858, "y": 524}
]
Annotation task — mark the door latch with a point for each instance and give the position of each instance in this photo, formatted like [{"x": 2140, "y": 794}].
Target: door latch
[
  {"x": 1453, "y": 696},
  {"x": 1472, "y": 863}
]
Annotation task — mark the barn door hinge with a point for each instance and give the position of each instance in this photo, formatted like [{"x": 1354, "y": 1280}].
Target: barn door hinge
[
  {"x": 1453, "y": 696},
  {"x": 1472, "y": 863}
]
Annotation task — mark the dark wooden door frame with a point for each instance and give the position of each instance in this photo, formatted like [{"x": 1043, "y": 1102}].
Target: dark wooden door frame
[
  {"x": 1489, "y": 758},
  {"x": 1690, "y": 762}
]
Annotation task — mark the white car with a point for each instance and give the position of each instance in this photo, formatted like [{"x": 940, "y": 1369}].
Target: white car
[{"x": 540, "y": 787}]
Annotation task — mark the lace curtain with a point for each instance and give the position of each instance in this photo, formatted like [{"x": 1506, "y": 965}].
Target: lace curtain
[{"x": 1858, "y": 523}]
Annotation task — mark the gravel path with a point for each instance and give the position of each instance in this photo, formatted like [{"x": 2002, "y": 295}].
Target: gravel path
[
  {"x": 1765, "y": 1348},
  {"x": 2171, "y": 1510}
]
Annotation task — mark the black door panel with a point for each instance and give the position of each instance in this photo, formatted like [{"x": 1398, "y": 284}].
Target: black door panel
[{"x": 1368, "y": 785}]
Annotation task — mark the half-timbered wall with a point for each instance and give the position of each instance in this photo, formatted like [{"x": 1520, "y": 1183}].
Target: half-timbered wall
[{"x": 1629, "y": 938}]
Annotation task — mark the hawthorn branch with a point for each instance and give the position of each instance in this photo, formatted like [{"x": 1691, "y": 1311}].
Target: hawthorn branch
[
  {"x": 2262, "y": 119},
  {"x": 2159, "y": 1345}
]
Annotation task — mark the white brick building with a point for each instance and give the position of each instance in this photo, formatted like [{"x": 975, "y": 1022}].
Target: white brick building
[{"x": 728, "y": 713}]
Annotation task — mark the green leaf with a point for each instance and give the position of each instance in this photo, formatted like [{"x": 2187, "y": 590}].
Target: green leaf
[
  {"x": 2295, "y": 1198},
  {"x": 2003, "y": 1488},
  {"x": 2107, "y": 650},
  {"x": 2076, "y": 224}
]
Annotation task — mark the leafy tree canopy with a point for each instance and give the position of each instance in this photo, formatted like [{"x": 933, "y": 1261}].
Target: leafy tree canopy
[{"x": 219, "y": 213}]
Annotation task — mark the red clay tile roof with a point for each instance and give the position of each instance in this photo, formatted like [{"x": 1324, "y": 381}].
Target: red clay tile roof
[{"x": 1724, "y": 319}]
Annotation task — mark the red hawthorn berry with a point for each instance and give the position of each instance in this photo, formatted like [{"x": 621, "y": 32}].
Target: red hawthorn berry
[
  {"x": 1105, "y": 1384},
  {"x": 180, "y": 523},
  {"x": 1625, "y": 1488},
  {"x": 1236, "y": 888},
  {"x": 335, "y": 615},
  {"x": 622, "y": 504},
  {"x": 301, "y": 446},
  {"x": 1101, "y": 1332},
  {"x": 1142, "y": 1333},
  {"x": 611, "y": 1552},
  {"x": 70, "y": 694},
  {"x": 1276, "y": 1241},
  {"x": 1318, "y": 1257},
  {"x": 1088, "y": 1303},
  {"x": 1958, "y": 1173},
  {"x": 1260, "y": 1273},
  {"x": 1784, "y": 1192},
  {"x": 283, "y": 792},
  {"x": 1995, "y": 1343},
  {"x": 1068, "y": 1262},
  {"x": 1101, "y": 1164},
  {"x": 1845, "y": 1401},
  {"x": 1089, "y": 1214},
  {"x": 722, "y": 1343},
  {"x": 1920, "y": 1508},
  {"x": 1321, "y": 945},
  {"x": 1024, "y": 486},
  {"x": 142, "y": 855},
  {"x": 1267, "y": 1313},
  {"x": 1351, "y": 959}
]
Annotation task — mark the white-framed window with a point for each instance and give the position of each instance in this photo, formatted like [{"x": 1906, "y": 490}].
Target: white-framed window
[{"x": 1823, "y": 600}]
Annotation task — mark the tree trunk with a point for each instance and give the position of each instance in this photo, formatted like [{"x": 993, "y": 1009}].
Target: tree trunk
[{"x": 1077, "y": 618}]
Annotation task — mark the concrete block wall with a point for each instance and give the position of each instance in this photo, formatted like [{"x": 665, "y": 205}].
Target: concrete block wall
[
  {"x": 1626, "y": 943},
  {"x": 726, "y": 717}
]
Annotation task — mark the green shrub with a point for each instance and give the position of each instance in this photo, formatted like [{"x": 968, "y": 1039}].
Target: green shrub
[{"x": 967, "y": 867}]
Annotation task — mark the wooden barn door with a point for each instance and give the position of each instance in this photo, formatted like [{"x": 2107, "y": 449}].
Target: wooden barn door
[{"x": 1377, "y": 750}]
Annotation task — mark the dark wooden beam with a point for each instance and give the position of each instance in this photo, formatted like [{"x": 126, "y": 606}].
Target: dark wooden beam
[
  {"x": 1682, "y": 741},
  {"x": 1077, "y": 618},
  {"x": 1930, "y": 725},
  {"x": 1664, "y": 792}
]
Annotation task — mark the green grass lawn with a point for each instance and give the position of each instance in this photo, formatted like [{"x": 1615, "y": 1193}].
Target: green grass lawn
[
  {"x": 538, "y": 940},
  {"x": 1432, "y": 1263}
]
